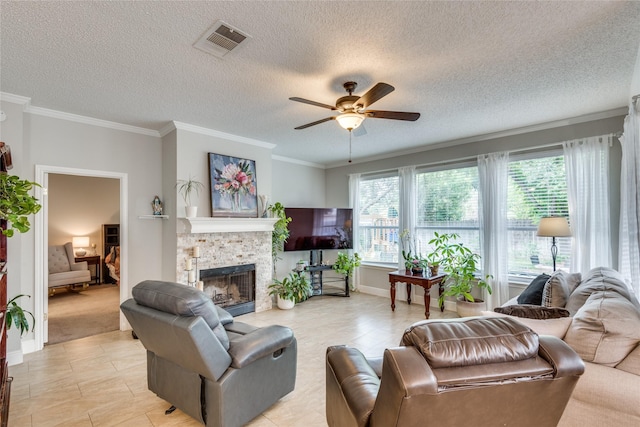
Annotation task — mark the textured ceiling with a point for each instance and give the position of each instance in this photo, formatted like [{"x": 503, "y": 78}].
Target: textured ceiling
[{"x": 469, "y": 68}]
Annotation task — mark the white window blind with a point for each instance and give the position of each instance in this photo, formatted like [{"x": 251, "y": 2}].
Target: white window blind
[
  {"x": 447, "y": 202},
  {"x": 537, "y": 188},
  {"x": 378, "y": 219}
]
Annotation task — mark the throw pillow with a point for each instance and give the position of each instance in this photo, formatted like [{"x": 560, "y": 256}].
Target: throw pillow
[
  {"x": 556, "y": 291},
  {"x": 533, "y": 293},
  {"x": 533, "y": 311}
]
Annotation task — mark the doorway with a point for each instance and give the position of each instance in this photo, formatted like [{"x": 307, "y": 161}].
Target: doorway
[
  {"x": 41, "y": 227},
  {"x": 78, "y": 209}
]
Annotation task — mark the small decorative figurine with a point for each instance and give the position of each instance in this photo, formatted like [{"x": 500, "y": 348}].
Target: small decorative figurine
[{"x": 157, "y": 206}]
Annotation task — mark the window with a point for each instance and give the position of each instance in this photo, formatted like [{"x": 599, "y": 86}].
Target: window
[
  {"x": 537, "y": 188},
  {"x": 447, "y": 202},
  {"x": 378, "y": 219}
]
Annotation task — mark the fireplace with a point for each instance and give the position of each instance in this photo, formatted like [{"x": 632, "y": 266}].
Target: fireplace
[{"x": 232, "y": 288}]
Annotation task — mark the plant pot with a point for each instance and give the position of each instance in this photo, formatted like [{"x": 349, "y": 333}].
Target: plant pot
[
  {"x": 433, "y": 269},
  {"x": 417, "y": 271},
  {"x": 468, "y": 309},
  {"x": 191, "y": 211},
  {"x": 284, "y": 304}
]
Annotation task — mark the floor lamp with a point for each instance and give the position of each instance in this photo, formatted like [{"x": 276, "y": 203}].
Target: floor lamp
[{"x": 554, "y": 226}]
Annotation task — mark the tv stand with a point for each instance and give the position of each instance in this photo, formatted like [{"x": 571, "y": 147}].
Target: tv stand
[{"x": 316, "y": 268}]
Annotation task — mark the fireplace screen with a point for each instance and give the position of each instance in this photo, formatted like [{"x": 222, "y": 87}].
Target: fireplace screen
[{"x": 232, "y": 288}]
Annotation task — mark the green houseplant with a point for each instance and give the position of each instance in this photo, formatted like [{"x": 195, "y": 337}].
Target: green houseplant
[
  {"x": 186, "y": 188},
  {"x": 293, "y": 288},
  {"x": 280, "y": 232},
  {"x": 16, "y": 315},
  {"x": 346, "y": 265},
  {"x": 460, "y": 264},
  {"x": 15, "y": 205}
]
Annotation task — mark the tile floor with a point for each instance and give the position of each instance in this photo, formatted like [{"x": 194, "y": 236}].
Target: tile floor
[{"x": 101, "y": 380}]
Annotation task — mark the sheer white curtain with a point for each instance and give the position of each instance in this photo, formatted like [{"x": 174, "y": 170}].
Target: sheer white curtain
[
  {"x": 587, "y": 169},
  {"x": 354, "y": 203},
  {"x": 493, "y": 176},
  {"x": 629, "y": 247},
  {"x": 407, "y": 199}
]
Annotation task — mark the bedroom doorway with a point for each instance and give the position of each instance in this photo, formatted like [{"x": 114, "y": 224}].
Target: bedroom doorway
[
  {"x": 78, "y": 208},
  {"x": 49, "y": 226}
]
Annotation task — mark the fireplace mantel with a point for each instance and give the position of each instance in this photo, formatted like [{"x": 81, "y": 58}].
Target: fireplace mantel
[{"x": 225, "y": 225}]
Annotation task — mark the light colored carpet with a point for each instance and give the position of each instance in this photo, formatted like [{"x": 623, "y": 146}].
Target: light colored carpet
[{"x": 74, "y": 315}]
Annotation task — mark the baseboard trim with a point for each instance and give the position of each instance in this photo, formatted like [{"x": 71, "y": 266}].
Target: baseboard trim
[{"x": 14, "y": 357}]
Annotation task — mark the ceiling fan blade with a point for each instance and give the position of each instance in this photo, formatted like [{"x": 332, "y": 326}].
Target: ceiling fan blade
[
  {"x": 317, "y": 104},
  {"x": 359, "y": 131},
  {"x": 315, "y": 123},
  {"x": 394, "y": 115},
  {"x": 374, "y": 94}
]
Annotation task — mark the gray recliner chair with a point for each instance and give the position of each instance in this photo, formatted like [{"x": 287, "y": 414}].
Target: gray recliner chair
[
  {"x": 220, "y": 372},
  {"x": 477, "y": 372}
]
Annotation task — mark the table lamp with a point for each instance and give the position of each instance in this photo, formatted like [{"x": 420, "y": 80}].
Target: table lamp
[
  {"x": 80, "y": 243},
  {"x": 553, "y": 226}
]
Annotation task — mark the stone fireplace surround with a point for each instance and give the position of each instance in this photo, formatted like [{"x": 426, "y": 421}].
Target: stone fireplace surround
[{"x": 225, "y": 242}]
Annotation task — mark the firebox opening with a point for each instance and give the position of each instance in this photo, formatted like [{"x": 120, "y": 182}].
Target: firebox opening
[{"x": 232, "y": 288}]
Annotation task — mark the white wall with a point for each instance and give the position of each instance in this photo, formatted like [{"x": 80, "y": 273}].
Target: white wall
[{"x": 79, "y": 206}]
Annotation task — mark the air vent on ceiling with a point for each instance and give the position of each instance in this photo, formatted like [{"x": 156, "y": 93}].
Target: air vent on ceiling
[{"x": 220, "y": 39}]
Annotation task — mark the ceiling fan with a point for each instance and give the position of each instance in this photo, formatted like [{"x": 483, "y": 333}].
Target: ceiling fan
[{"x": 353, "y": 108}]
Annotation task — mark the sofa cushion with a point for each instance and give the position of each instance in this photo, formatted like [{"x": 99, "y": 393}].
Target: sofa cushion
[
  {"x": 533, "y": 311},
  {"x": 58, "y": 262},
  {"x": 631, "y": 363},
  {"x": 533, "y": 293},
  {"x": 598, "y": 279},
  {"x": 605, "y": 329},
  {"x": 181, "y": 300},
  {"x": 554, "y": 327},
  {"x": 558, "y": 288},
  {"x": 471, "y": 341}
]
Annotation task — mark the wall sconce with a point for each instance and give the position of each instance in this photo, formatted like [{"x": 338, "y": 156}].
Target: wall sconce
[{"x": 80, "y": 243}]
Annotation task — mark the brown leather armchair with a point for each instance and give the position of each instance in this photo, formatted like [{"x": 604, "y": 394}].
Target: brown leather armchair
[{"x": 458, "y": 372}]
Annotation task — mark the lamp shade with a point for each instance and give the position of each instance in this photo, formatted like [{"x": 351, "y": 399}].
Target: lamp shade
[
  {"x": 350, "y": 121},
  {"x": 554, "y": 226},
  {"x": 81, "y": 242}
]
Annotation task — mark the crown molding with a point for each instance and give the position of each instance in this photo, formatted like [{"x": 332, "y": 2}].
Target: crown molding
[
  {"x": 15, "y": 99},
  {"x": 298, "y": 162},
  {"x": 216, "y": 134}
]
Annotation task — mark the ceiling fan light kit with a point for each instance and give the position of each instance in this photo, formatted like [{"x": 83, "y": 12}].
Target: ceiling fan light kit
[
  {"x": 350, "y": 121},
  {"x": 353, "y": 109}
]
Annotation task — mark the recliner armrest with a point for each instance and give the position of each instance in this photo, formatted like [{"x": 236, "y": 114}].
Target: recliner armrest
[
  {"x": 76, "y": 266},
  {"x": 258, "y": 344},
  {"x": 564, "y": 360}
]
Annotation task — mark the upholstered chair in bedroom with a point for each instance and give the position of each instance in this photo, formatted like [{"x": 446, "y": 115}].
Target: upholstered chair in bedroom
[
  {"x": 459, "y": 372},
  {"x": 218, "y": 371},
  {"x": 64, "y": 271}
]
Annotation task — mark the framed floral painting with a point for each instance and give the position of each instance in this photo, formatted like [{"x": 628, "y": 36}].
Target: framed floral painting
[{"x": 233, "y": 187}]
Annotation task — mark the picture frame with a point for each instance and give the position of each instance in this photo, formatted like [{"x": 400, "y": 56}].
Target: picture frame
[{"x": 233, "y": 187}]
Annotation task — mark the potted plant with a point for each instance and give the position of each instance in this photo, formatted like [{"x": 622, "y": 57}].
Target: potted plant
[
  {"x": 16, "y": 203},
  {"x": 292, "y": 289},
  {"x": 186, "y": 188},
  {"x": 16, "y": 315},
  {"x": 346, "y": 265},
  {"x": 280, "y": 232},
  {"x": 460, "y": 264}
]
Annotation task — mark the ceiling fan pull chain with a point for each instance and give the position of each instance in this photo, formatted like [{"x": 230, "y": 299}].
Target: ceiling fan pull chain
[{"x": 350, "y": 132}]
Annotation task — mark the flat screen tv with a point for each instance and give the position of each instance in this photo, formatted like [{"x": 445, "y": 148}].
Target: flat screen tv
[{"x": 319, "y": 228}]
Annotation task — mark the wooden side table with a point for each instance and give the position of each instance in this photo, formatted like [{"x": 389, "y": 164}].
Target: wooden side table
[
  {"x": 425, "y": 282},
  {"x": 95, "y": 261}
]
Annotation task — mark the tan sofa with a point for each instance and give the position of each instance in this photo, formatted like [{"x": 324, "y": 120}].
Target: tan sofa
[
  {"x": 64, "y": 271},
  {"x": 604, "y": 329}
]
